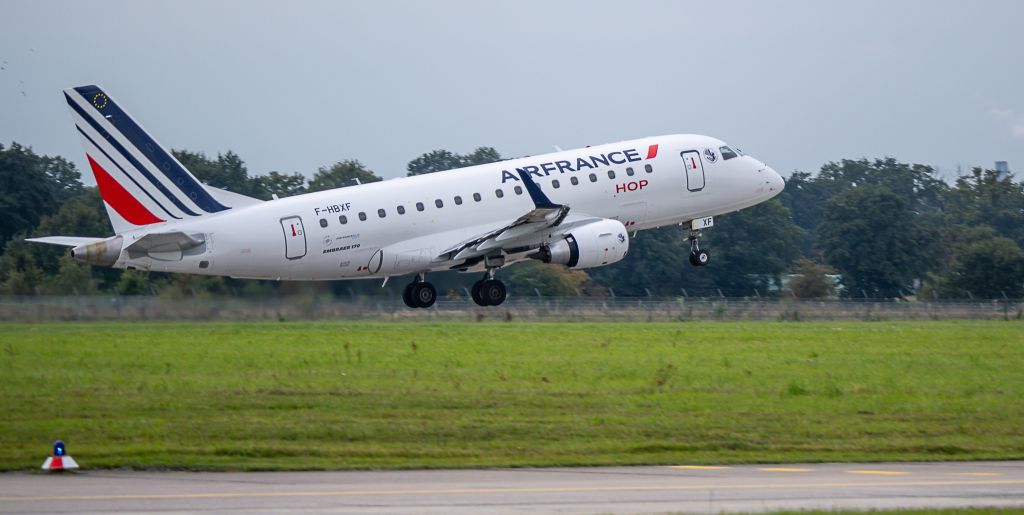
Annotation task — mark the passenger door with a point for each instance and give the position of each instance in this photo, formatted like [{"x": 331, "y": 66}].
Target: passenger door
[
  {"x": 294, "y": 237},
  {"x": 694, "y": 170}
]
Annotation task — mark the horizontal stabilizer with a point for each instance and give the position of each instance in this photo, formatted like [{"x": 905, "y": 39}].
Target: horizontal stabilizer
[
  {"x": 67, "y": 241},
  {"x": 230, "y": 198}
]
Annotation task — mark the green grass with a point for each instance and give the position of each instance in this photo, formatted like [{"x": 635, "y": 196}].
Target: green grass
[
  {"x": 909, "y": 511},
  {"x": 386, "y": 395}
]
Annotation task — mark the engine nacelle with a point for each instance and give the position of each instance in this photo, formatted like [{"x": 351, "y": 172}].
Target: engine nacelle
[
  {"x": 99, "y": 253},
  {"x": 594, "y": 244}
]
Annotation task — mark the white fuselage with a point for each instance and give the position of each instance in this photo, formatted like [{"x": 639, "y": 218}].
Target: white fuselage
[{"x": 303, "y": 237}]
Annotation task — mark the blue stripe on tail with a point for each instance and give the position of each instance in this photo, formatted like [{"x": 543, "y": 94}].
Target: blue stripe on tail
[
  {"x": 131, "y": 159},
  {"x": 128, "y": 175},
  {"x": 107, "y": 108}
]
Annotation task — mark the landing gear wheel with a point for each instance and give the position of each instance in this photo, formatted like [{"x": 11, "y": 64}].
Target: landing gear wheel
[
  {"x": 700, "y": 258},
  {"x": 492, "y": 292},
  {"x": 407, "y": 295},
  {"x": 475, "y": 293},
  {"x": 423, "y": 294}
]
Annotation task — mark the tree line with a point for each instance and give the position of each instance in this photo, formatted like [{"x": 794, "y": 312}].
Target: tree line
[{"x": 878, "y": 229}]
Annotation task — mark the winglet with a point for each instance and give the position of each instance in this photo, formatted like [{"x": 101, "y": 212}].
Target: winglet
[{"x": 539, "y": 198}]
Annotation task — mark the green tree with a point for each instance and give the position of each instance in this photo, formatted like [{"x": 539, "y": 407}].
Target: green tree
[
  {"x": 752, "y": 248},
  {"x": 133, "y": 282},
  {"x": 986, "y": 197},
  {"x": 71, "y": 279},
  {"x": 283, "y": 185},
  {"x": 31, "y": 186},
  {"x": 526, "y": 279},
  {"x": 227, "y": 172},
  {"x": 876, "y": 241},
  {"x": 442, "y": 160},
  {"x": 807, "y": 196},
  {"x": 987, "y": 268},
  {"x": 21, "y": 272},
  {"x": 657, "y": 262},
  {"x": 341, "y": 174},
  {"x": 811, "y": 281},
  {"x": 481, "y": 156}
]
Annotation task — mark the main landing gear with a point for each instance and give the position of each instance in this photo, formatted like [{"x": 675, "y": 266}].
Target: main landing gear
[
  {"x": 419, "y": 293},
  {"x": 488, "y": 291},
  {"x": 698, "y": 256}
]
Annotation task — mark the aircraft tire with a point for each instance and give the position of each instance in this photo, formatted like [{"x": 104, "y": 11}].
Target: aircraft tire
[
  {"x": 475, "y": 293},
  {"x": 493, "y": 292},
  {"x": 702, "y": 258},
  {"x": 407, "y": 295},
  {"x": 423, "y": 295}
]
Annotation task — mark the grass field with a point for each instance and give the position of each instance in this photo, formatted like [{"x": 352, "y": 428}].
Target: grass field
[
  {"x": 921, "y": 511},
  {"x": 382, "y": 395}
]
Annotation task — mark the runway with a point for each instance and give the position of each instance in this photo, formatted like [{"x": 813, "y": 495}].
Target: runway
[{"x": 682, "y": 488}]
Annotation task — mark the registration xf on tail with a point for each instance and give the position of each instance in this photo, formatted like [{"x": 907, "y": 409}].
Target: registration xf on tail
[{"x": 577, "y": 208}]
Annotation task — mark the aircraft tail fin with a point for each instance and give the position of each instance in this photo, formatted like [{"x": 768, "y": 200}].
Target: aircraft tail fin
[{"x": 140, "y": 181}]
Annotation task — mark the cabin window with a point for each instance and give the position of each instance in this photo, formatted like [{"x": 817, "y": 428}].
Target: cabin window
[
  {"x": 648, "y": 168},
  {"x": 574, "y": 180},
  {"x": 629, "y": 171},
  {"x": 458, "y": 200},
  {"x": 727, "y": 153},
  {"x": 381, "y": 213},
  {"x": 343, "y": 219},
  {"x": 362, "y": 216},
  {"x": 554, "y": 184},
  {"x": 499, "y": 193},
  {"x": 438, "y": 203},
  {"x": 518, "y": 190},
  {"x": 323, "y": 222},
  {"x": 611, "y": 174},
  {"x": 593, "y": 177},
  {"x": 400, "y": 209},
  {"x": 477, "y": 197},
  {"x": 419, "y": 206}
]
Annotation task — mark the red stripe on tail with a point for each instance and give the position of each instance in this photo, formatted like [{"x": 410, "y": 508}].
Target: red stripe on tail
[
  {"x": 652, "y": 151},
  {"x": 119, "y": 198}
]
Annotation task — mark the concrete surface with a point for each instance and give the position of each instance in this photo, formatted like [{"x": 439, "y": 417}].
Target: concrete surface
[{"x": 690, "y": 489}]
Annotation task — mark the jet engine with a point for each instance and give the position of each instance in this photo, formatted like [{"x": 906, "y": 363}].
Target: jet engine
[
  {"x": 593, "y": 244},
  {"x": 99, "y": 253}
]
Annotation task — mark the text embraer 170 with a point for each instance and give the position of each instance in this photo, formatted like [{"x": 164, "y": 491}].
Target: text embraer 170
[{"x": 576, "y": 208}]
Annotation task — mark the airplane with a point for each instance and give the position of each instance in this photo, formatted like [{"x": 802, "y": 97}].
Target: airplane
[{"x": 577, "y": 208}]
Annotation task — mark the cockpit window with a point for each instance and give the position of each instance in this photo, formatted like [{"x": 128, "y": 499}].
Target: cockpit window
[{"x": 727, "y": 153}]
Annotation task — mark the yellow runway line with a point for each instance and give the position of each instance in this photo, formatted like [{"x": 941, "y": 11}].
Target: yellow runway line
[
  {"x": 696, "y": 467},
  {"x": 784, "y": 469},
  {"x": 879, "y": 472}
]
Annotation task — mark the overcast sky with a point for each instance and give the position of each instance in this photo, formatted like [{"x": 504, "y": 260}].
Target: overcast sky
[{"x": 292, "y": 86}]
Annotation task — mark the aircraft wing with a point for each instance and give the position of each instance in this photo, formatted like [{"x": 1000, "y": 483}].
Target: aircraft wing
[{"x": 543, "y": 216}]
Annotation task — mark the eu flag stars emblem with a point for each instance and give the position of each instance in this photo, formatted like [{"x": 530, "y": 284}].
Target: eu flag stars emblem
[{"x": 99, "y": 100}]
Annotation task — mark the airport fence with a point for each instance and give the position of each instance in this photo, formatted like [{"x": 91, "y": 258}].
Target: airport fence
[{"x": 575, "y": 309}]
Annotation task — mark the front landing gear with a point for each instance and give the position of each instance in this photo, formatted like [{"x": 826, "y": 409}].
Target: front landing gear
[
  {"x": 419, "y": 293},
  {"x": 698, "y": 256},
  {"x": 488, "y": 291}
]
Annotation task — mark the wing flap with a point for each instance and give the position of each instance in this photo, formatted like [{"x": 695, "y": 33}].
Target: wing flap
[{"x": 543, "y": 216}]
